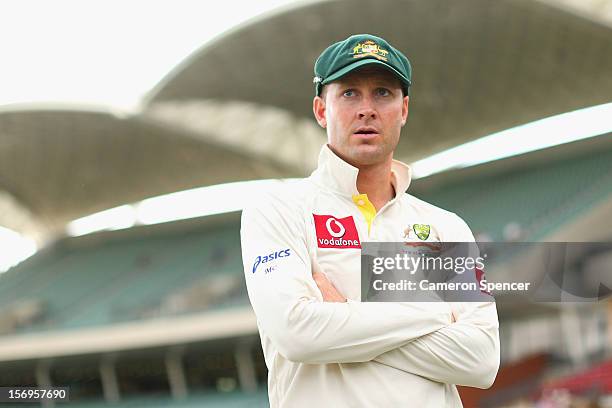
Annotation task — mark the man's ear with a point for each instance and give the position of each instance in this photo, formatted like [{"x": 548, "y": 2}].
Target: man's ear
[
  {"x": 405, "y": 109},
  {"x": 318, "y": 108}
]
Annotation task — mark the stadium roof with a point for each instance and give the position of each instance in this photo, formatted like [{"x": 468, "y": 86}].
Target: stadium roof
[
  {"x": 479, "y": 66},
  {"x": 57, "y": 165},
  {"x": 239, "y": 108}
]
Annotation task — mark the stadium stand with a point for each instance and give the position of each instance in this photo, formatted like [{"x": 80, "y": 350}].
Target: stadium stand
[
  {"x": 541, "y": 196},
  {"x": 108, "y": 278}
]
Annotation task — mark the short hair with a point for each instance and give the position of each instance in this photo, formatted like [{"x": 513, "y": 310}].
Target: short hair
[{"x": 323, "y": 91}]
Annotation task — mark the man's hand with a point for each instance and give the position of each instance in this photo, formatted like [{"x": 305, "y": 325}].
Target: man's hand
[{"x": 329, "y": 291}]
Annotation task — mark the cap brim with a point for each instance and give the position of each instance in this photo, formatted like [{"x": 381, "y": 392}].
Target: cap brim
[{"x": 357, "y": 64}]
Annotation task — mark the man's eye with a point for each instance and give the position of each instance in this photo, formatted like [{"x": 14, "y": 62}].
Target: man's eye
[
  {"x": 383, "y": 92},
  {"x": 348, "y": 92}
]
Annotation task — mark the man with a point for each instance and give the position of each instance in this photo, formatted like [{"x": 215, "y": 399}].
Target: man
[{"x": 301, "y": 253}]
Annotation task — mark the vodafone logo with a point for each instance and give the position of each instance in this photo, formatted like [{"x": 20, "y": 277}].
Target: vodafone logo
[
  {"x": 337, "y": 225},
  {"x": 334, "y": 232}
]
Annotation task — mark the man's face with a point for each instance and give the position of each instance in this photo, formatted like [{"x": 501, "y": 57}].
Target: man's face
[{"x": 363, "y": 113}]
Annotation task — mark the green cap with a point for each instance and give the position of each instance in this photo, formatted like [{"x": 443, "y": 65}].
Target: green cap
[{"x": 356, "y": 51}]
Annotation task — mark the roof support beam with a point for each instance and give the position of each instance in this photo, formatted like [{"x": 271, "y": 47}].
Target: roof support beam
[{"x": 17, "y": 217}]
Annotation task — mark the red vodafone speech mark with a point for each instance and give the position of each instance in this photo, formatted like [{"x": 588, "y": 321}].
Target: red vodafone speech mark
[{"x": 335, "y": 232}]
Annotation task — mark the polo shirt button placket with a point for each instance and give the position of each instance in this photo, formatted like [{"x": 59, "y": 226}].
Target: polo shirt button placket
[{"x": 372, "y": 235}]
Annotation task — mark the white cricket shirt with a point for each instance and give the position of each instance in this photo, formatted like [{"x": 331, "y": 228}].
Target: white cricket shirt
[{"x": 355, "y": 354}]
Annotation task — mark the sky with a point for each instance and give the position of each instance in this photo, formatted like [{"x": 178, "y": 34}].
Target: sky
[{"x": 109, "y": 52}]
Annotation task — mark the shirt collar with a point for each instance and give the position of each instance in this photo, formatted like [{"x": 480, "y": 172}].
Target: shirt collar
[{"x": 339, "y": 176}]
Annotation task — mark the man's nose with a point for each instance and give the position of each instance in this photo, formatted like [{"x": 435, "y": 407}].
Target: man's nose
[{"x": 366, "y": 109}]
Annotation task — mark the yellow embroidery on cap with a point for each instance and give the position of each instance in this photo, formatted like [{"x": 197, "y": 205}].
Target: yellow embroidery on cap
[{"x": 369, "y": 48}]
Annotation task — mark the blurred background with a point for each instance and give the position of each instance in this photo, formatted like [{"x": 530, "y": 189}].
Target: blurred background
[{"x": 132, "y": 133}]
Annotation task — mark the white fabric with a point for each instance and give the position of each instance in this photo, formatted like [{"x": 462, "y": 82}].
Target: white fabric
[{"x": 356, "y": 354}]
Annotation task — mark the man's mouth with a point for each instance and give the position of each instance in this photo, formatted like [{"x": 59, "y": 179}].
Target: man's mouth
[{"x": 366, "y": 130}]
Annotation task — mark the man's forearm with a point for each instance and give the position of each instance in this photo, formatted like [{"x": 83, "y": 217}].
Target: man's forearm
[
  {"x": 463, "y": 353},
  {"x": 315, "y": 332}
]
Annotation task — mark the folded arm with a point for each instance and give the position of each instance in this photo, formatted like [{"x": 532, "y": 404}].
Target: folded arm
[{"x": 465, "y": 352}]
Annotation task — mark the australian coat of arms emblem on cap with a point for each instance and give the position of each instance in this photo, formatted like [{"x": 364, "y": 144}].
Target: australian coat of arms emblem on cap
[
  {"x": 369, "y": 48},
  {"x": 421, "y": 231}
]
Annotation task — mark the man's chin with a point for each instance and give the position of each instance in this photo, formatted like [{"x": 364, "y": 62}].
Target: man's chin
[{"x": 366, "y": 155}]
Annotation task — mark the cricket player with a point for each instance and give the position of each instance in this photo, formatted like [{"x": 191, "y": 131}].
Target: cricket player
[{"x": 301, "y": 252}]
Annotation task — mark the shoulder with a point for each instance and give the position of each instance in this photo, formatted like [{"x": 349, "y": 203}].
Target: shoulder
[
  {"x": 280, "y": 193},
  {"x": 452, "y": 226},
  {"x": 281, "y": 199}
]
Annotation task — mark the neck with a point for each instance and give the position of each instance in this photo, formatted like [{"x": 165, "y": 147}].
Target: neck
[{"x": 375, "y": 181}]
